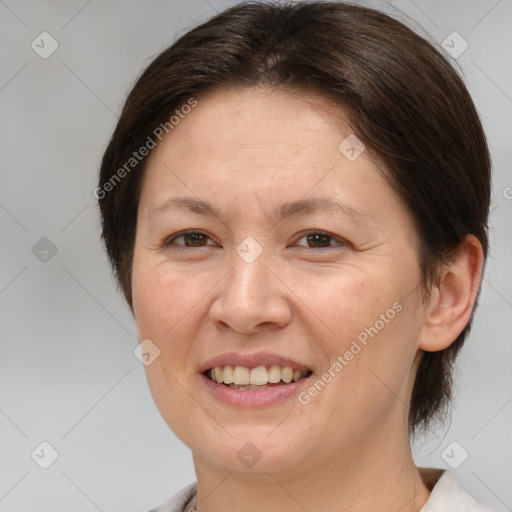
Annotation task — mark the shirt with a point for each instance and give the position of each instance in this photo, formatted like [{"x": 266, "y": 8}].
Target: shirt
[{"x": 446, "y": 496}]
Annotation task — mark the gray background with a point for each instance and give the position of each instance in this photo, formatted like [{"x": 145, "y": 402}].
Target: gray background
[{"x": 68, "y": 375}]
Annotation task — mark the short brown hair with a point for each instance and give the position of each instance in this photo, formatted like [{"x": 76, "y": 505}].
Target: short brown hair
[{"x": 404, "y": 101}]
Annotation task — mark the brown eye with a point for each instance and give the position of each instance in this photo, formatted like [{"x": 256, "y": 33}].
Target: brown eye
[
  {"x": 190, "y": 239},
  {"x": 320, "y": 240},
  {"x": 195, "y": 239}
]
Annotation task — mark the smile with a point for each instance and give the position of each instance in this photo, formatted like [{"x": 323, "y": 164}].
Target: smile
[
  {"x": 260, "y": 377},
  {"x": 254, "y": 387}
]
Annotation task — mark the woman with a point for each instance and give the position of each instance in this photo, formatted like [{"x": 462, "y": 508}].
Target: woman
[{"x": 295, "y": 203}]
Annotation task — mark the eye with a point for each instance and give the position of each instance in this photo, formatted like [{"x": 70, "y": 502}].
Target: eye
[
  {"x": 320, "y": 240},
  {"x": 190, "y": 239}
]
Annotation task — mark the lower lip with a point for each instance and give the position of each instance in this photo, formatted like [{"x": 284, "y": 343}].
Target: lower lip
[{"x": 253, "y": 397}]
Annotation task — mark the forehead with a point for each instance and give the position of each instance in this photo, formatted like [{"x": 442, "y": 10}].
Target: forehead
[
  {"x": 260, "y": 143},
  {"x": 261, "y": 126}
]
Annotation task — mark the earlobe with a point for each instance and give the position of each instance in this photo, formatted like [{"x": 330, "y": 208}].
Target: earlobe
[{"x": 452, "y": 300}]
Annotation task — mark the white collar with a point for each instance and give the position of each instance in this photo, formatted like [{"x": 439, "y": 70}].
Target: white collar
[{"x": 448, "y": 496}]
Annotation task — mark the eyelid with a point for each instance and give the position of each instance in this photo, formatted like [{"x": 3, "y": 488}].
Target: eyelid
[
  {"x": 169, "y": 242},
  {"x": 341, "y": 241}
]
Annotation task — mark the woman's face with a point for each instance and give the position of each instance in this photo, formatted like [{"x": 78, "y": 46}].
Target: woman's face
[{"x": 250, "y": 286}]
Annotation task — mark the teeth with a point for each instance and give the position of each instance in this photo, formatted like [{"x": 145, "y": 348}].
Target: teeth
[
  {"x": 287, "y": 374},
  {"x": 274, "y": 375},
  {"x": 228, "y": 375},
  {"x": 258, "y": 376},
  {"x": 241, "y": 375},
  {"x": 219, "y": 376}
]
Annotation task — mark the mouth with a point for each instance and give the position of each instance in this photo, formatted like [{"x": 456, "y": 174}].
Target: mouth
[{"x": 244, "y": 378}]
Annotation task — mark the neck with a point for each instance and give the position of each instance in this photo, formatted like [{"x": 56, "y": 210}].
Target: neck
[{"x": 372, "y": 473}]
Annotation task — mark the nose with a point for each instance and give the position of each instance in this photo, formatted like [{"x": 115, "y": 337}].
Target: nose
[{"x": 251, "y": 299}]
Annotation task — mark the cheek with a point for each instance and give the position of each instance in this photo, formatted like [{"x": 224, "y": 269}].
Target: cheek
[
  {"x": 374, "y": 326},
  {"x": 162, "y": 300},
  {"x": 357, "y": 306},
  {"x": 163, "y": 306}
]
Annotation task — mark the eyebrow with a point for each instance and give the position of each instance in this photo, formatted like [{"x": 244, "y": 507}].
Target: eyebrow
[{"x": 290, "y": 209}]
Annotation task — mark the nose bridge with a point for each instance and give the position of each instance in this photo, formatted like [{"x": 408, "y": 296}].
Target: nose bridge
[
  {"x": 249, "y": 267},
  {"x": 250, "y": 295}
]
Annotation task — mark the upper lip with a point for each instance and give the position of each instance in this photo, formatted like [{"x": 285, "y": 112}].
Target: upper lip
[{"x": 252, "y": 361}]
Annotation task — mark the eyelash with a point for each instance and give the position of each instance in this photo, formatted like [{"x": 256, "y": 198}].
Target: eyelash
[{"x": 169, "y": 243}]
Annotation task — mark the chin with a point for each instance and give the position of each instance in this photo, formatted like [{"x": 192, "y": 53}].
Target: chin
[{"x": 251, "y": 450}]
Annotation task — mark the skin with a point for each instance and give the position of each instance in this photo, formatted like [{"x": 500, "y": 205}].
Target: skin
[{"x": 247, "y": 152}]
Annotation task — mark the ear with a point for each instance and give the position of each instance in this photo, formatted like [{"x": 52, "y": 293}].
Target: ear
[{"x": 452, "y": 300}]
